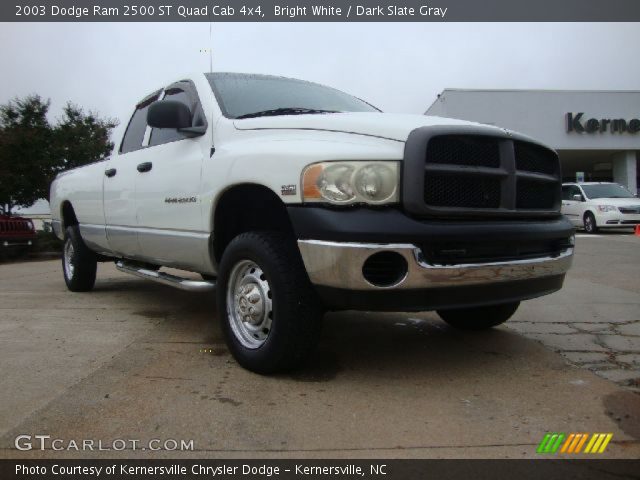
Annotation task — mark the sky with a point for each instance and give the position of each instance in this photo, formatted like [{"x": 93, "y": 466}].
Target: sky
[{"x": 399, "y": 67}]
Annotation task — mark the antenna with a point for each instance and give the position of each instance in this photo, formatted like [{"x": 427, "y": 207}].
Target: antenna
[{"x": 210, "y": 49}]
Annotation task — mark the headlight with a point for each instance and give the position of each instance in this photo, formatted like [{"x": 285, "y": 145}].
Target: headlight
[
  {"x": 607, "y": 208},
  {"x": 344, "y": 183}
]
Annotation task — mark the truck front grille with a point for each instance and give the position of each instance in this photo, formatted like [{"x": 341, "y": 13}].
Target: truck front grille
[
  {"x": 464, "y": 150},
  {"x": 532, "y": 195},
  {"x": 446, "y": 190},
  {"x": 534, "y": 158},
  {"x": 472, "y": 174}
]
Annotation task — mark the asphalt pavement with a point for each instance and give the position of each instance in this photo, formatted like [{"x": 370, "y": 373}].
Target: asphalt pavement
[{"x": 134, "y": 360}]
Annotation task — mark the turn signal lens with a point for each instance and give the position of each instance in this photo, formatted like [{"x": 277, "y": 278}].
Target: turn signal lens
[
  {"x": 310, "y": 182},
  {"x": 351, "y": 182}
]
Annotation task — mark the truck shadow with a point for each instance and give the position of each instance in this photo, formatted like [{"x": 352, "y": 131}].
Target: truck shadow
[
  {"x": 371, "y": 344},
  {"x": 384, "y": 344}
]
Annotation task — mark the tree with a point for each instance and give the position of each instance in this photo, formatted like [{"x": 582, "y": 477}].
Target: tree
[
  {"x": 81, "y": 138},
  {"x": 26, "y": 160},
  {"x": 33, "y": 152}
]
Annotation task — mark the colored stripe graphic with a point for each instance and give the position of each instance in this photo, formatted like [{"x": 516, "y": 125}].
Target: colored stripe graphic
[
  {"x": 598, "y": 442},
  {"x": 567, "y": 443},
  {"x": 543, "y": 443},
  {"x": 572, "y": 443},
  {"x": 582, "y": 442},
  {"x": 550, "y": 443},
  {"x": 557, "y": 443},
  {"x": 592, "y": 441},
  {"x": 605, "y": 442},
  {"x": 547, "y": 448}
]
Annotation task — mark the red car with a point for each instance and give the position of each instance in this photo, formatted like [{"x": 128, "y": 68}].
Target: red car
[{"x": 16, "y": 233}]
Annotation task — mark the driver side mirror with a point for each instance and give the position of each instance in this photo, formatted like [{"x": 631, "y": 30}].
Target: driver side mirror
[
  {"x": 578, "y": 198},
  {"x": 173, "y": 114}
]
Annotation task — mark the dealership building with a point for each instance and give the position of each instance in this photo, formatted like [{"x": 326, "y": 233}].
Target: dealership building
[{"x": 596, "y": 133}]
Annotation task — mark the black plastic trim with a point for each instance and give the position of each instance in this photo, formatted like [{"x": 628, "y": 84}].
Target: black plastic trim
[{"x": 390, "y": 225}]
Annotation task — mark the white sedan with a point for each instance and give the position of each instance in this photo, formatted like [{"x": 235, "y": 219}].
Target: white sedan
[{"x": 594, "y": 205}]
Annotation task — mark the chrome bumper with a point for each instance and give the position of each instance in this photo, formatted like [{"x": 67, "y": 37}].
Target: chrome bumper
[{"x": 339, "y": 265}]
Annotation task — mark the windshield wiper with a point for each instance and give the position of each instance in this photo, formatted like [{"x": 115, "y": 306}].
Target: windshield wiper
[{"x": 285, "y": 111}]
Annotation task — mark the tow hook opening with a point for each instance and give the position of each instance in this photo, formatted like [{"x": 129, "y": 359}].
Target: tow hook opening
[{"x": 385, "y": 269}]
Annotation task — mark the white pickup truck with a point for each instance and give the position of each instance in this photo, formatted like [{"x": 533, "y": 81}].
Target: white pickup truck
[{"x": 291, "y": 198}]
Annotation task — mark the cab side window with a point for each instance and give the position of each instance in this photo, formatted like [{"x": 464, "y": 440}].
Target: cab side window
[
  {"x": 566, "y": 192},
  {"x": 134, "y": 134},
  {"x": 184, "y": 93},
  {"x": 166, "y": 135}
]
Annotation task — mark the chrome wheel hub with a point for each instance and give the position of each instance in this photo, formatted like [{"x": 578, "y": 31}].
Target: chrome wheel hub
[
  {"x": 69, "y": 266},
  {"x": 249, "y": 305}
]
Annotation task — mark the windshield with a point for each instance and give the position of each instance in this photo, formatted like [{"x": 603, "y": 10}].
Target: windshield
[
  {"x": 606, "y": 190},
  {"x": 241, "y": 95}
]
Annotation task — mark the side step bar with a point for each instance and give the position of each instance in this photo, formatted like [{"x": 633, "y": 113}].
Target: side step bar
[{"x": 166, "y": 278}]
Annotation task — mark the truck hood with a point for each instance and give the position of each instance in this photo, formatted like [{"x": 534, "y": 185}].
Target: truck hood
[{"x": 385, "y": 125}]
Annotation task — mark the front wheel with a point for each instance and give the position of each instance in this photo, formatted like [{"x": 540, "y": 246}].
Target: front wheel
[
  {"x": 590, "y": 225},
  {"x": 270, "y": 314},
  {"x": 79, "y": 264},
  {"x": 479, "y": 318}
]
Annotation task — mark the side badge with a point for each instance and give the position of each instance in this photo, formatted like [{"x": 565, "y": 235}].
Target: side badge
[{"x": 288, "y": 189}]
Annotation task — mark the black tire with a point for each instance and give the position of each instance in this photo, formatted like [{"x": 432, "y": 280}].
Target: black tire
[
  {"x": 290, "y": 313},
  {"x": 479, "y": 318},
  {"x": 80, "y": 274},
  {"x": 589, "y": 221}
]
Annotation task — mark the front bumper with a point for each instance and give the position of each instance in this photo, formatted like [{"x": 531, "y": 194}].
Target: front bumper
[
  {"x": 9, "y": 242},
  {"x": 340, "y": 265},
  {"x": 336, "y": 244},
  {"x": 616, "y": 219}
]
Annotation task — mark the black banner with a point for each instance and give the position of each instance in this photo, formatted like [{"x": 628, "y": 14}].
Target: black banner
[
  {"x": 314, "y": 469},
  {"x": 320, "y": 11}
]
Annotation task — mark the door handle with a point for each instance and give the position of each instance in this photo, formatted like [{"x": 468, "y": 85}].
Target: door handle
[
  {"x": 144, "y": 167},
  {"x": 110, "y": 172}
]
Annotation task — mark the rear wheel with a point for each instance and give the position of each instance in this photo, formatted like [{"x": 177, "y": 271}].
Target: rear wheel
[
  {"x": 590, "y": 225},
  {"x": 269, "y": 312},
  {"x": 479, "y": 318},
  {"x": 79, "y": 264}
]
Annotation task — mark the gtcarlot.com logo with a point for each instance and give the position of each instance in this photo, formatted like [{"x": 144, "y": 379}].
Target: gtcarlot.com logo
[
  {"x": 45, "y": 442},
  {"x": 574, "y": 443}
]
